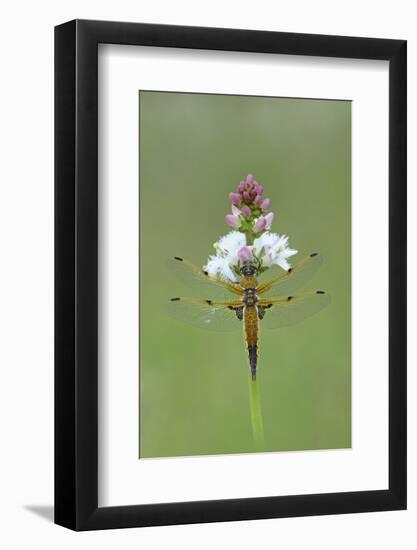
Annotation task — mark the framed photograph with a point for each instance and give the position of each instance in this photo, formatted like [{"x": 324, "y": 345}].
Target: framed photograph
[{"x": 230, "y": 248}]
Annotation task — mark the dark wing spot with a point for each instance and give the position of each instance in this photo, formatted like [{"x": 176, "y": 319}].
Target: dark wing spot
[
  {"x": 289, "y": 270},
  {"x": 209, "y": 302},
  {"x": 178, "y": 258},
  {"x": 205, "y": 273},
  {"x": 320, "y": 292},
  {"x": 314, "y": 254},
  {"x": 175, "y": 299},
  {"x": 290, "y": 298}
]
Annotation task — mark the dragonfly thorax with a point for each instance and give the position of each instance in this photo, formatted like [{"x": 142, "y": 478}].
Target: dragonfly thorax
[{"x": 249, "y": 297}]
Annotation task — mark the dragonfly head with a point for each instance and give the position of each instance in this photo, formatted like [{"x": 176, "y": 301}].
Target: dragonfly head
[{"x": 248, "y": 269}]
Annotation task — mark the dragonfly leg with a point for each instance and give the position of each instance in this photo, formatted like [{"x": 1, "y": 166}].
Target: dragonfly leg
[
  {"x": 261, "y": 312},
  {"x": 239, "y": 313}
]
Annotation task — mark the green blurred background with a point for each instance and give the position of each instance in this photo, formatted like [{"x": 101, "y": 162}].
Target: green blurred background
[{"x": 194, "y": 149}]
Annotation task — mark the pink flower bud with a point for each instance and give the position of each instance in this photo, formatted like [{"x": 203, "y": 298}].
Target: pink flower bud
[
  {"x": 241, "y": 186},
  {"x": 259, "y": 225},
  {"x": 249, "y": 178},
  {"x": 257, "y": 200},
  {"x": 260, "y": 189},
  {"x": 246, "y": 211},
  {"x": 234, "y": 197},
  {"x": 245, "y": 254},
  {"x": 266, "y": 204},
  {"x": 246, "y": 196},
  {"x": 235, "y": 210},
  {"x": 233, "y": 221},
  {"x": 269, "y": 218}
]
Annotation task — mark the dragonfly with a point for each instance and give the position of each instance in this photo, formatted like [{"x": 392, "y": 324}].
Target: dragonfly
[{"x": 226, "y": 305}]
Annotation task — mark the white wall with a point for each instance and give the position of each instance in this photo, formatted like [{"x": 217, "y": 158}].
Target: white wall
[{"x": 26, "y": 270}]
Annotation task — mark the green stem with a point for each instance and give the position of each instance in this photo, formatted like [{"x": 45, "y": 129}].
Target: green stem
[
  {"x": 256, "y": 413},
  {"x": 250, "y": 237}
]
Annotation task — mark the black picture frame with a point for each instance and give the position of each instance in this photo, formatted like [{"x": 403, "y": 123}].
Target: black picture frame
[{"x": 76, "y": 272}]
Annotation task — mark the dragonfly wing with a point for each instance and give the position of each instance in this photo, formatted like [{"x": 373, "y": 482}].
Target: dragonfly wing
[
  {"x": 288, "y": 310},
  {"x": 289, "y": 281},
  {"x": 207, "y": 314},
  {"x": 197, "y": 279}
]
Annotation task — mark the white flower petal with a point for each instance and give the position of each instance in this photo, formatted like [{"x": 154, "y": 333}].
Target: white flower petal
[
  {"x": 213, "y": 265},
  {"x": 219, "y": 266},
  {"x": 288, "y": 252},
  {"x": 272, "y": 248},
  {"x": 266, "y": 240},
  {"x": 282, "y": 262},
  {"x": 232, "y": 241},
  {"x": 227, "y": 274},
  {"x": 267, "y": 260}
]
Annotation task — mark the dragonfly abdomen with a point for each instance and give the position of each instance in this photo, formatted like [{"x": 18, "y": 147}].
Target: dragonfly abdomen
[{"x": 251, "y": 327}]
